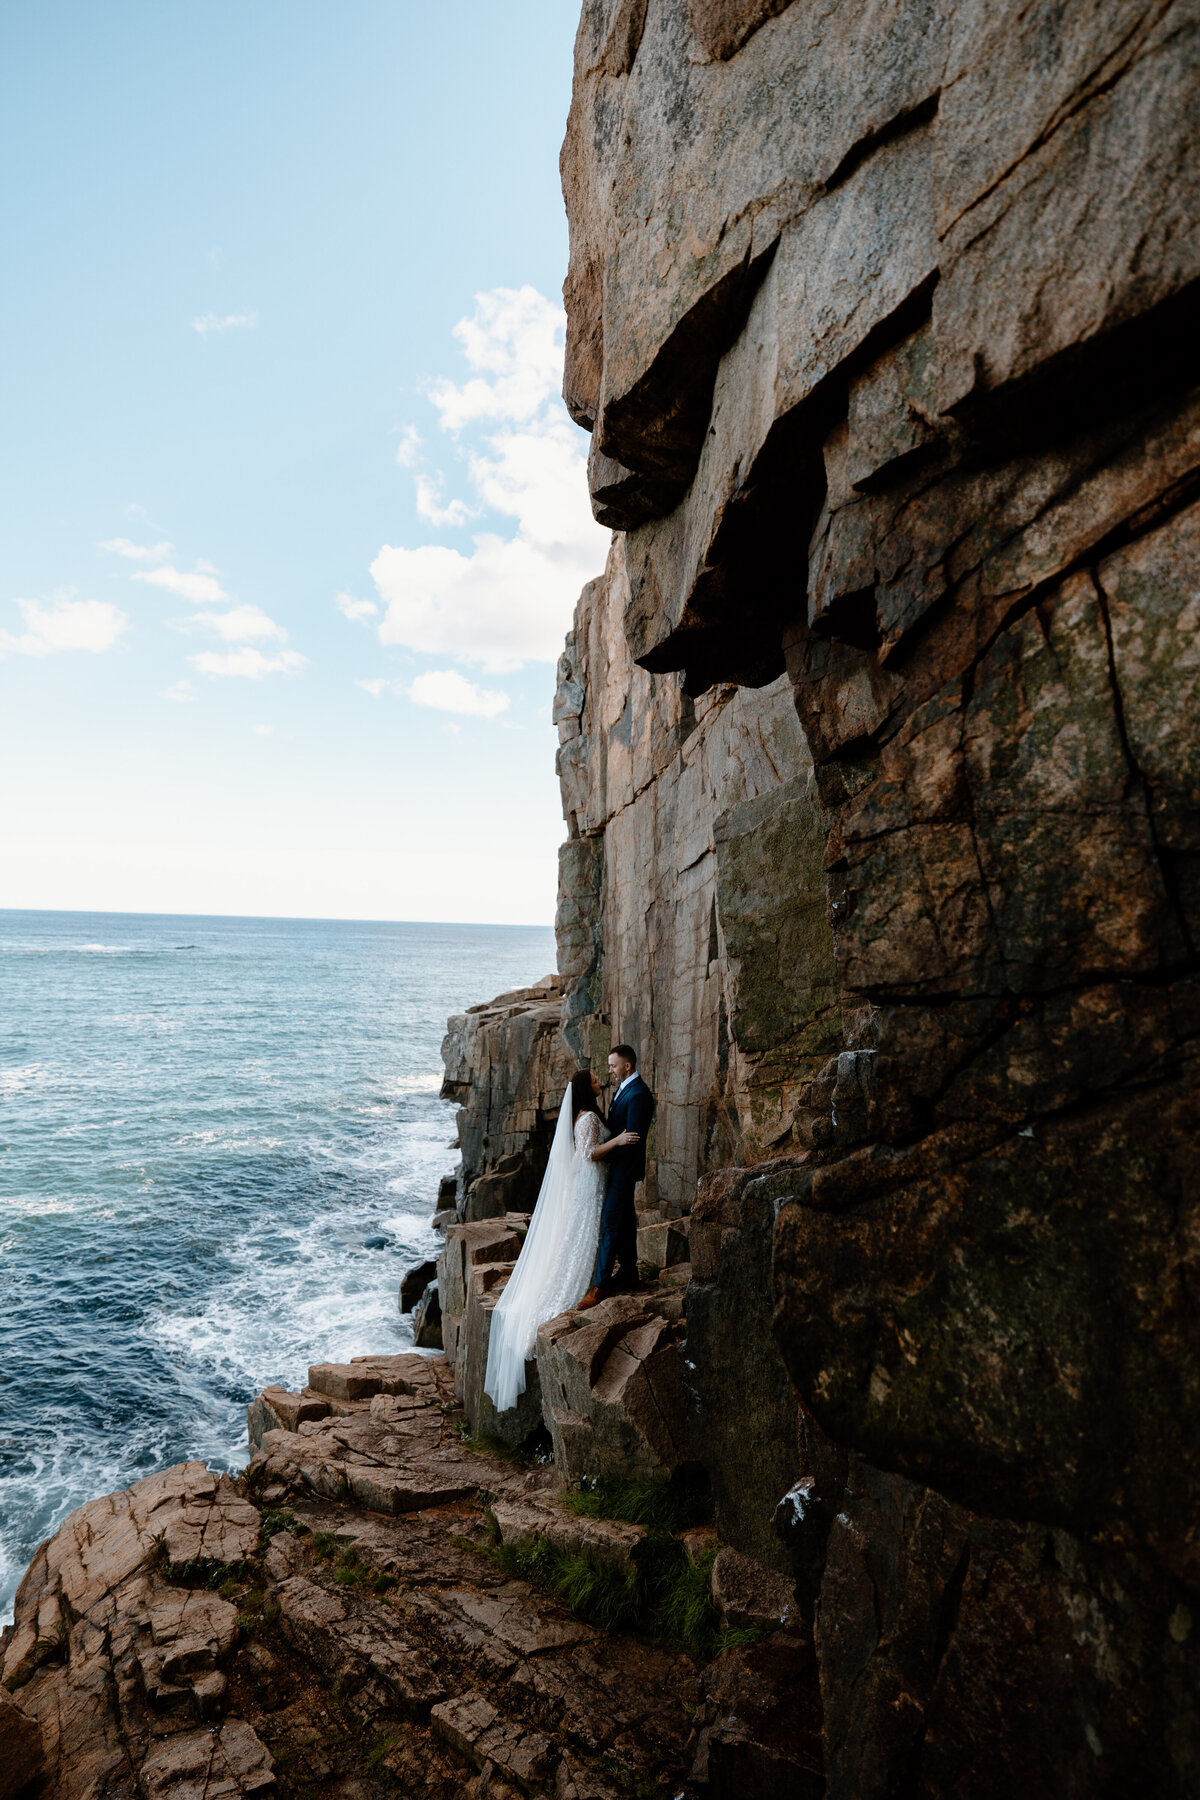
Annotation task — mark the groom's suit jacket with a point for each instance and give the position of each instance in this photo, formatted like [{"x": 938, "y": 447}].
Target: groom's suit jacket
[{"x": 632, "y": 1110}]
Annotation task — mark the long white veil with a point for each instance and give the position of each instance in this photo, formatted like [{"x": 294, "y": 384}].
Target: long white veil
[{"x": 517, "y": 1313}]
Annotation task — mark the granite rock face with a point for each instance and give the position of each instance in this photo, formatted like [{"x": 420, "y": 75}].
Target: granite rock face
[
  {"x": 694, "y": 826},
  {"x": 115, "y": 1667},
  {"x": 506, "y": 1067},
  {"x": 881, "y": 765}
]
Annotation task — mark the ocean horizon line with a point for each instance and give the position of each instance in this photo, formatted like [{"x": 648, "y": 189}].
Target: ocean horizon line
[{"x": 86, "y": 912}]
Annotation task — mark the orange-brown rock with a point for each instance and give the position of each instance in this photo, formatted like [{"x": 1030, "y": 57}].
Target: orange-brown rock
[
  {"x": 343, "y": 1650},
  {"x": 882, "y": 320}
]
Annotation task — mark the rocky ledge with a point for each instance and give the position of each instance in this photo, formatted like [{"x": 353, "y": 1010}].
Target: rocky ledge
[{"x": 350, "y": 1618}]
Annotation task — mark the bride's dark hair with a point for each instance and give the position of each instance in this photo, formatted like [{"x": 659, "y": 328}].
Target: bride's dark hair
[{"x": 583, "y": 1098}]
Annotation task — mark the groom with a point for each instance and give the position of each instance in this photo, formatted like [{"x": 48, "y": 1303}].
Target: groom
[{"x": 629, "y": 1119}]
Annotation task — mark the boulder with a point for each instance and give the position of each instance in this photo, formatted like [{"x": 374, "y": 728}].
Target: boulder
[
  {"x": 427, "y": 1319},
  {"x": 276, "y": 1409},
  {"x": 612, "y": 1399},
  {"x": 414, "y": 1282},
  {"x": 663, "y": 1245}
]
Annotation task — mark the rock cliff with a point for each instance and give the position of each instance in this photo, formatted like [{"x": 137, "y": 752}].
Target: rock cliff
[{"x": 879, "y": 761}]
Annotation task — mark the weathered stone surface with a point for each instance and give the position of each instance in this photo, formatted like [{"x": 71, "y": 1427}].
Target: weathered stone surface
[
  {"x": 882, "y": 321},
  {"x": 517, "y": 1425},
  {"x": 275, "y": 1409},
  {"x": 609, "y": 1542},
  {"x": 114, "y": 1666},
  {"x": 20, "y": 1747},
  {"x": 506, "y": 1066},
  {"x": 742, "y": 1408},
  {"x": 472, "y": 1270},
  {"x": 474, "y": 1727},
  {"x": 758, "y": 1730},
  {"x": 668, "y": 796},
  {"x": 663, "y": 1245},
  {"x": 353, "y": 1640},
  {"x": 749, "y": 1595},
  {"x": 203, "y": 1765},
  {"x": 185, "y": 1514},
  {"x": 611, "y": 1392}
]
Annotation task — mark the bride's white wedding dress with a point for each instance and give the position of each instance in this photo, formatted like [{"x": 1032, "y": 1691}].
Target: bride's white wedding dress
[{"x": 554, "y": 1269}]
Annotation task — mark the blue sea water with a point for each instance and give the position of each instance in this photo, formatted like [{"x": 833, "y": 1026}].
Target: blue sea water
[{"x": 201, "y": 1121}]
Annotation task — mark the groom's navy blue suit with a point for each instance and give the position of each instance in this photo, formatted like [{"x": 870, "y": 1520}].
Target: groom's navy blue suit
[{"x": 632, "y": 1110}]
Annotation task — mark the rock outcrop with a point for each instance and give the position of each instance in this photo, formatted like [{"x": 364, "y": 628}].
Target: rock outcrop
[
  {"x": 879, "y": 760},
  {"x": 506, "y": 1066},
  {"x": 343, "y": 1622}
]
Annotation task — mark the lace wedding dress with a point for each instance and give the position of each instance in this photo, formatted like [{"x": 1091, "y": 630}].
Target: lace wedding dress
[{"x": 554, "y": 1269}]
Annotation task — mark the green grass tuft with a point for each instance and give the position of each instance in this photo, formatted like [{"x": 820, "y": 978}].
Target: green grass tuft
[
  {"x": 688, "y": 1614},
  {"x": 666, "y": 1506},
  {"x": 375, "y": 1765},
  {"x": 272, "y": 1523},
  {"x": 663, "y": 1597},
  {"x": 601, "y": 1596}
]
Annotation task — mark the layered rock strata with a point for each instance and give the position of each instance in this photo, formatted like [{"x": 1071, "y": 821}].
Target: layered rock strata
[
  {"x": 881, "y": 321},
  {"x": 335, "y": 1624}
]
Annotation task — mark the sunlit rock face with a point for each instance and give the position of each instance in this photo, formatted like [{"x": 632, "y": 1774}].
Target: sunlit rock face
[
  {"x": 881, "y": 764},
  {"x": 692, "y": 918}
]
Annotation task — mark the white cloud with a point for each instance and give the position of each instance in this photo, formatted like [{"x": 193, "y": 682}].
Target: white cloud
[
  {"x": 179, "y": 690},
  {"x": 249, "y": 664},
  {"x": 202, "y": 590},
  {"x": 120, "y": 546},
  {"x": 514, "y": 335},
  {"x": 409, "y": 448},
  {"x": 65, "y": 624},
  {"x": 264, "y": 730},
  {"x": 376, "y": 686},
  {"x": 429, "y": 504},
  {"x": 509, "y": 600},
  {"x": 358, "y": 610},
  {"x": 448, "y": 691},
  {"x": 218, "y": 322},
  {"x": 239, "y": 623}
]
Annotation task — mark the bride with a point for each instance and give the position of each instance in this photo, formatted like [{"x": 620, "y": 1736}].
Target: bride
[{"x": 554, "y": 1269}]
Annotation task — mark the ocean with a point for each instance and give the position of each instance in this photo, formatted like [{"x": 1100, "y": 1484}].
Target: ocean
[{"x": 220, "y": 1145}]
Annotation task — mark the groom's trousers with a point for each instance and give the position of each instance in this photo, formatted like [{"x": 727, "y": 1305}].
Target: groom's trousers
[{"x": 618, "y": 1229}]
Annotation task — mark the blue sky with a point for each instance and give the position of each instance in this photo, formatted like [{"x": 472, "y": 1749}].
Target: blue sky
[{"x": 279, "y": 304}]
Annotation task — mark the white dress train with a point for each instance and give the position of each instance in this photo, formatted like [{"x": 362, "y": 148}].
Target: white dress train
[{"x": 554, "y": 1269}]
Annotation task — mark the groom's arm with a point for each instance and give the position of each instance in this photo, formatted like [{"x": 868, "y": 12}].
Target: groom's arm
[{"x": 639, "y": 1112}]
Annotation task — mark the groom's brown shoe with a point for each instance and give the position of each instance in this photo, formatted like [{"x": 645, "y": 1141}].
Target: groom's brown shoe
[{"x": 592, "y": 1298}]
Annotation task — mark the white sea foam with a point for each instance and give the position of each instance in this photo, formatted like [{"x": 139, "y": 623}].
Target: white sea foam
[
  {"x": 198, "y": 1149},
  {"x": 35, "y": 1206}
]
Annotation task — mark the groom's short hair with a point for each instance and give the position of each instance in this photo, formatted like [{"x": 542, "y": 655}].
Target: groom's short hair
[{"x": 626, "y": 1052}]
